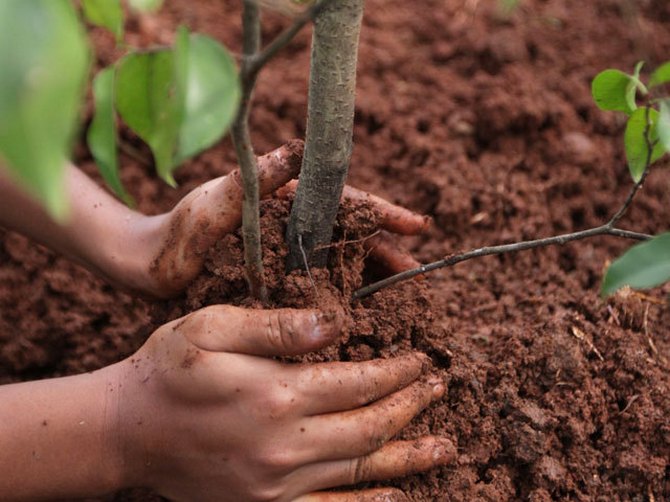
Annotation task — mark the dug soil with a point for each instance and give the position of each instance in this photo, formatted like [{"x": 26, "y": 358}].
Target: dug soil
[{"x": 483, "y": 119}]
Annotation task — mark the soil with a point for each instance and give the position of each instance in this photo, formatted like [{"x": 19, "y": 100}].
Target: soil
[{"x": 483, "y": 120}]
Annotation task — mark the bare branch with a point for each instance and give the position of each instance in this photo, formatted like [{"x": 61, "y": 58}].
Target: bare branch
[
  {"x": 608, "y": 228},
  {"x": 496, "y": 250},
  {"x": 257, "y": 61},
  {"x": 251, "y": 227}
]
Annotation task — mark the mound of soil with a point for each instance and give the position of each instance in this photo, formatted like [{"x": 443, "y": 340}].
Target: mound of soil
[{"x": 482, "y": 119}]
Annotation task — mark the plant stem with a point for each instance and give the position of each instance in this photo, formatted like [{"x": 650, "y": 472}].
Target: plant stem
[
  {"x": 251, "y": 227},
  {"x": 253, "y": 60},
  {"x": 606, "y": 229},
  {"x": 329, "y": 131}
]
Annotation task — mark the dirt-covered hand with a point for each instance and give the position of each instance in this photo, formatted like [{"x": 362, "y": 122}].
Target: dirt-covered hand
[
  {"x": 207, "y": 414},
  {"x": 175, "y": 243}
]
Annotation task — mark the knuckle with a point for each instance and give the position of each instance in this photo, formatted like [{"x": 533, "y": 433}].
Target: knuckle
[
  {"x": 280, "y": 404},
  {"x": 266, "y": 493},
  {"x": 281, "y": 330},
  {"x": 277, "y": 461},
  {"x": 360, "y": 469},
  {"x": 373, "y": 438}
]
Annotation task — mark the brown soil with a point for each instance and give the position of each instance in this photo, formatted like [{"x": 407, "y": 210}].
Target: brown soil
[{"x": 485, "y": 122}]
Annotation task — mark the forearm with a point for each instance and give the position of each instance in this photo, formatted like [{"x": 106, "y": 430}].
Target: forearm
[
  {"x": 98, "y": 234},
  {"x": 59, "y": 438}
]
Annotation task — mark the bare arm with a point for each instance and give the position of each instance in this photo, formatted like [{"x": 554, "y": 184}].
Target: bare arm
[
  {"x": 102, "y": 234},
  {"x": 55, "y": 438}
]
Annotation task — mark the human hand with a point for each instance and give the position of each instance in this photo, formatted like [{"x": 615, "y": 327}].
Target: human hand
[
  {"x": 174, "y": 244},
  {"x": 206, "y": 414}
]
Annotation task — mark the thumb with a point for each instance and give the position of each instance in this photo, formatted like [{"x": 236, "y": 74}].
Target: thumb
[{"x": 280, "y": 332}]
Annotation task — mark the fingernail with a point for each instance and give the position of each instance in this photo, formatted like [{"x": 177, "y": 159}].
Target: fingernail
[
  {"x": 444, "y": 451},
  {"x": 438, "y": 387},
  {"x": 326, "y": 325}
]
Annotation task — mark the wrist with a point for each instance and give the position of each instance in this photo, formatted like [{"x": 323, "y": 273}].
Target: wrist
[{"x": 130, "y": 250}]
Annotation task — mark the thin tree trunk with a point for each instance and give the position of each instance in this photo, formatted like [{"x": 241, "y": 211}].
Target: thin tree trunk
[{"x": 329, "y": 132}]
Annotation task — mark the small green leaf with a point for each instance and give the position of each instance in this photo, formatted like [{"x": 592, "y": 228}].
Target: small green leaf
[
  {"x": 212, "y": 96},
  {"x": 105, "y": 13},
  {"x": 645, "y": 265},
  {"x": 44, "y": 61},
  {"x": 664, "y": 125},
  {"x": 102, "y": 133},
  {"x": 178, "y": 101},
  {"x": 661, "y": 75},
  {"x": 637, "y": 150},
  {"x": 145, "y": 5},
  {"x": 146, "y": 99},
  {"x": 611, "y": 91}
]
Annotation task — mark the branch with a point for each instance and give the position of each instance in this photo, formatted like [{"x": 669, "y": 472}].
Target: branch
[
  {"x": 251, "y": 227},
  {"x": 256, "y": 62},
  {"x": 606, "y": 229}
]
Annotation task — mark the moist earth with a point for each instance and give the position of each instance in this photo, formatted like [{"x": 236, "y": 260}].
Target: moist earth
[{"x": 483, "y": 119}]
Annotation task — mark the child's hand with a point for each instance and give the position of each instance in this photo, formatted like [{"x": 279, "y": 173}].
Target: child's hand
[
  {"x": 160, "y": 255},
  {"x": 206, "y": 413},
  {"x": 179, "y": 240}
]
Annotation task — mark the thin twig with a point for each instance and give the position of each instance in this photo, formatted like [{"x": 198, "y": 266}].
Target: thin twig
[
  {"x": 345, "y": 242},
  {"x": 257, "y": 61},
  {"x": 251, "y": 228},
  {"x": 608, "y": 228},
  {"x": 495, "y": 250},
  {"x": 306, "y": 263}
]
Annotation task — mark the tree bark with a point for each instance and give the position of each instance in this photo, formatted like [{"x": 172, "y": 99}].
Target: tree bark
[{"x": 329, "y": 132}]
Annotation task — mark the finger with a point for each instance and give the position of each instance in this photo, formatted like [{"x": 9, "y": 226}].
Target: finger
[
  {"x": 387, "y": 253},
  {"x": 339, "y": 436},
  {"x": 280, "y": 332},
  {"x": 331, "y": 387},
  {"x": 394, "y": 218},
  {"x": 395, "y": 459},
  {"x": 220, "y": 201},
  {"x": 373, "y": 495}
]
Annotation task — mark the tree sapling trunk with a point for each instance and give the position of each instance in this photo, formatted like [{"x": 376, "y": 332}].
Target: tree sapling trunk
[{"x": 329, "y": 132}]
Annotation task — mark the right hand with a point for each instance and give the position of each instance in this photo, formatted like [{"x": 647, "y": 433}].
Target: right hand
[{"x": 205, "y": 413}]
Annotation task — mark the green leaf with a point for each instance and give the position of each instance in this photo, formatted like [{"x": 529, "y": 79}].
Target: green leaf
[
  {"x": 146, "y": 99},
  {"x": 212, "y": 96},
  {"x": 44, "y": 61},
  {"x": 664, "y": 125},
  {"x": 637, "y": 150},
  {"x": 661, "y": 75},
  {"x": 145, "y": 5},
  {"x": 102, "y": 133},
  {"x": 105, "y": 13},
  {"x": 614, "y": 90},
  {"x": 643, "y": 266}
]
